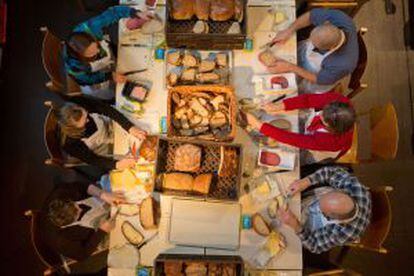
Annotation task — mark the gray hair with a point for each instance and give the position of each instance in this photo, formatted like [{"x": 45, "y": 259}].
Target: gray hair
[{"x": 326, "y": 36}]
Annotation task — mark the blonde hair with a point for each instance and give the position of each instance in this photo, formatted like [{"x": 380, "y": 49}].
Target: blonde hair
[{"x": 66, "y": 115}]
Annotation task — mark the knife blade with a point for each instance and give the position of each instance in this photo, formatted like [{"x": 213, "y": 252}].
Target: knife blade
[
  {"x": 147, "y": 241},
  {"x": 134, "y": 72},
  {"x": 282, "y": 190}
]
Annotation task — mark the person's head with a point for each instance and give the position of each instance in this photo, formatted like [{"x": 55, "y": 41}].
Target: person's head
[
  {"x": 338, "y": 117},
  {"x": 326, "y": 37},
  {"x": 63, "y": 212},
  {"x": 83, "y": 45},
  {"x": 337, "y": 205},
  {"x": 72, "y": 120}
]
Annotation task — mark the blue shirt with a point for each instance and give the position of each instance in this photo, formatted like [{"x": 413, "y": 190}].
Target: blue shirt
[
  {"x": 344, "y": 60},
  {"x": 95, "y": 26}
]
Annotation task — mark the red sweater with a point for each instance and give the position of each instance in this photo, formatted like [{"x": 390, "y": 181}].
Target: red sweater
[{"x": 322, "y": 141}]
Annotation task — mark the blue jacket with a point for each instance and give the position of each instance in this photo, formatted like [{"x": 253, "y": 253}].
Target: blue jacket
[{"x": 95, "y": 26}]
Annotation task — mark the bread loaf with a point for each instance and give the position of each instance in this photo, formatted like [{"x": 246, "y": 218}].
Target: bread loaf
[
  {"x": 177, "y": 182},
  {"x": 202, "y": 9},
  {"x": 207, "y": 66},
  {"x": 130, "y": 233},
  {"x": 182, "y": 9},
  {"x": 260, "y": 226},
  {"x": 187, "y": 158},
  {"x": 221, "y": 10},
  {"x": 202, "y": 183},
  {"x": 147, "y": 213}
]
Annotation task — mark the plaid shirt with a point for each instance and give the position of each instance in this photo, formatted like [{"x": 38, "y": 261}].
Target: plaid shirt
[
  {"x": 95, "y": 26},
  {"x": 333, "y": 235}
]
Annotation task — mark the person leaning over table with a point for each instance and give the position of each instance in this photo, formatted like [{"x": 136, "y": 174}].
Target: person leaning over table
[
  {"x": 328, "y": 130},
  {"x": 330, "y": 54},
  {"x": 76, "y": 218},
  {"x": 86, "y": 132},
  {"x": 332, "y": 215},
  {"x": 88, "y": 56}
]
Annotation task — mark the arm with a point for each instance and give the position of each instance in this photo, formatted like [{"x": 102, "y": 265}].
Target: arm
[
  {"x": 317, "y": 141},
  {"x": 97, "y": 106},
  {"x": 78, "y": 149},
  {"x": 337, "y": 178},
  {"x": 317, "y": 101},
  {"x": 95, "y": 26},
  {"x": 301, "y": 22},
  {"x": 79, "y": 243}
]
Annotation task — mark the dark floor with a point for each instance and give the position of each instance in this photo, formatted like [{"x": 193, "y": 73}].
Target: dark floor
[{"x": 27, "y": 181}]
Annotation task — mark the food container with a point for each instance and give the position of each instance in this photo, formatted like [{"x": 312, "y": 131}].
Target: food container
[
  {"x": 222, "y": 187},
  {"x": 179, "y": 33},
  {"x": 216, "y": 90},
  {"x": 135, "y": 91},
  {"x": 183, "y": 260},
  {"x": 276, "y": 159}
]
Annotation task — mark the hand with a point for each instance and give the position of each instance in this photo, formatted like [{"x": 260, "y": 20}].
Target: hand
[
  {"x": 288, "y": 218},
  {"x": 283, "y": 36},
  {"x": 281, "y": 66},
  {"x": 114, "y": 198},
  {"x": 138, "y": 133},
  {"x": 299, "y": 186},
  {"x": 272, "y": 108},
  {"x": 126, "y": 163},
  {"x": 145, "y": 15},
  {"x": 107, "y": 225},
  {"x": 253, "y": 121},
  {"x": 118, "y": 78}
]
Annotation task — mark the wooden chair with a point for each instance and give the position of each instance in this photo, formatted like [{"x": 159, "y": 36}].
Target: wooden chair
[
  {"x": 335, "y": 272},
  {"x": 379, "y": 228},
  {"x": 53, "y": 261},
  {"x": 384, "y": 135},
  {"x": 51, "y": 138},
  {"x": 52, "y": 58},
  {"x": 355, "y": 86},
  {"x": 350, "y": 7}
]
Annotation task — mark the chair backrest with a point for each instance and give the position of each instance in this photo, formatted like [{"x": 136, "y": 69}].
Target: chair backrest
[
  {"x": 381, "y": 220},
  {"x": 51, "y": 137},
  {"x": 47, "y": 256},
  {"x": 351, "y": 156},
  {"x": 384, "y": 132},
  {"x": 355, "y": 81},
  {"x": 52, "y": 58}
]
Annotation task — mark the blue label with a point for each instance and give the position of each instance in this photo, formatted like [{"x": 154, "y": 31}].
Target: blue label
[
  {"x": 163, "y": 124},
  {"x": 248, "y": 45},
  {"x": 246, "y": 222},
  {"x": 159, "y": 53}
]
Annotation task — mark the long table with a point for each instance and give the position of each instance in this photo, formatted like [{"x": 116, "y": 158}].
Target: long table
[{"x": 245, "y": 66}]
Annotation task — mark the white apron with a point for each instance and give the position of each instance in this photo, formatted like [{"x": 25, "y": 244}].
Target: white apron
[
  {"x": 93, "y": 217},
  {"x": 315, "y": 156},
  {"x": 312, "y": 62},
  {"x": 101, "y": 141},
  {"x": 104, "y": 90}
]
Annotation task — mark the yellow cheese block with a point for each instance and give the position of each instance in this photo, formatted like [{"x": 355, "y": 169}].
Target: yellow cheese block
[{"x": 124, "y": 180}]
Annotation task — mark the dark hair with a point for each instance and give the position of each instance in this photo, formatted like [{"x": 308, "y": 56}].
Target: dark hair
[
  {"x": 78, "y": 42},
  {"x": 62, "y": 212},
  {"x": 68, "y": 114},
  {"x": 339, "y": 116}
]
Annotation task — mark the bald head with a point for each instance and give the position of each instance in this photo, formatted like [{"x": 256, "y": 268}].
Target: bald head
[
  {"x": 326, "y": 36},
  {"x": 337, "y": 205}
]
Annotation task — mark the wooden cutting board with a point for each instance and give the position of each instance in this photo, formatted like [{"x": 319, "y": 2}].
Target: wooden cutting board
[{"x": 205, "y": 224}]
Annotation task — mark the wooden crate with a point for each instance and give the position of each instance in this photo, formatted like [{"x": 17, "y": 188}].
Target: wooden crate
[
  {"x": 184, "y": 258},
  {"x": 222, "y": 187},
  {"x": 179, "y": 33}
]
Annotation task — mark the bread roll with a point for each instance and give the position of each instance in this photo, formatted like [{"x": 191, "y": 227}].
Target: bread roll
[
  {"x": 202, "y": 9},
  {"x": 202, "y": 183},
  {"x": 182, "y": 9},
  {"x": 260, "y": 226},
  {"x": 221, "y": 10},
  {"x": 206, "y": 66},
  {"x": 147, "y": 213},
  {"x": 178, "y": 182}
]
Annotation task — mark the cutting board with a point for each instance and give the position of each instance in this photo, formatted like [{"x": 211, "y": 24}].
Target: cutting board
[{"x": 205, "y": 224}]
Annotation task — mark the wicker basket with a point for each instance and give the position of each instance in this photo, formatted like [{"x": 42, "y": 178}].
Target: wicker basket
[
  {"x": 222, "y": 187},
  {"x": 217, "y": 89},
  {"x": 210, "y": 259}
]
